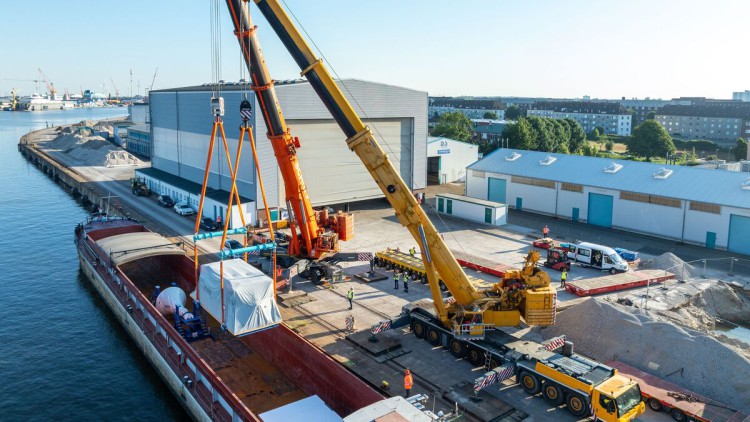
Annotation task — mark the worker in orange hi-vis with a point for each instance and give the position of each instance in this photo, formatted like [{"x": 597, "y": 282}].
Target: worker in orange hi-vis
[
  {"x": 408, "y": 382},
  {"x": 545, "y": 231}
]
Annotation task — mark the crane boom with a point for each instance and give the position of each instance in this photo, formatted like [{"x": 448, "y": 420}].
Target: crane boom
[
  {"x": 499, "y": 306},
  {"x": 50, "y": 85},
  {"x": 315, "y": 242}
]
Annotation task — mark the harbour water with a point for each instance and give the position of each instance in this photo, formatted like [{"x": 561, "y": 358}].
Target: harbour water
[{"x": 62, "y": 354}]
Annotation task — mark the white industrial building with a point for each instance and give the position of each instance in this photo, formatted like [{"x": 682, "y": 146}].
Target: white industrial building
[
  {"x": 181, "y": 122},
  {"x": 693, "y": 205},
  {"x": 447, "y": 159}
]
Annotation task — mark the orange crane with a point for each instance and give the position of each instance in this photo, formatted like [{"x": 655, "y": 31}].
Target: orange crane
[
  {"x": 50, "y": 85},
  {"x": 319, "y": 233}
]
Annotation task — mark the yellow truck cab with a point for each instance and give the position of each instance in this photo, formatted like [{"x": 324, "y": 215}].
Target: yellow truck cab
[{"x": 617, "y": 399}]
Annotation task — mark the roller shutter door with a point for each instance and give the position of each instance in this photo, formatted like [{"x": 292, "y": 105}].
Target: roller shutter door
[
  {"x": 600, "y": 210},
  {"x": 496, "y": 190},
  {"x": 334, "y": 174},
  {"x": 739, "y": 234}
]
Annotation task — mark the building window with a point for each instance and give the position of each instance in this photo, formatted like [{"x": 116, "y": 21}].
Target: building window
[
  {"x": 650, "y": 199},
  {"x": 571, "y": 187},
  {"x": 704, "y": 207},
  {"x": 533, "y": 182}
]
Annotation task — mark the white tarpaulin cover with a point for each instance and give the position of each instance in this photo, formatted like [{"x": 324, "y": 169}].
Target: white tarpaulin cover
[{"x": 248, "y": 296}]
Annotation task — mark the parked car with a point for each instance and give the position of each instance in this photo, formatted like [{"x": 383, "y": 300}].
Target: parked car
[
  {"x": 183, "y": 209},
  {"x": 166, "y": 201},
  {"x": 208, "y": 223},
  {"x": 233, "y": 244}
]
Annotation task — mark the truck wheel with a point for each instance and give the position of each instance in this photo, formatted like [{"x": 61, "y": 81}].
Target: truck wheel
[
  {"x": 655, "y": 405},
  {"x": 418, "y": 328},
  {"x": 434, "y": 337},
  {"x": 476, "y": 356},
  {"x": 315, "y": 276},
  {"x": 458, "y": 349},
  {"x": 576, "y": 405},
  {"x": 678, "y": 415},
  {"x": 612, "y": 271},
  {"x": 529, "y": 382},
  {"x": 553, "y": 394},
  {"x": 494, "y": 363}
]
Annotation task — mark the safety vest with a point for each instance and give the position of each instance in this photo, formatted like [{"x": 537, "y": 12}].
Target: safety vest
[
  {"x": 412, "y": 251},
  {"x": 350, "y": 294},
  {"x": 564, "y": 275},
  {"x": 396, "y": 276},
  {"x": 407, "y": 382}
]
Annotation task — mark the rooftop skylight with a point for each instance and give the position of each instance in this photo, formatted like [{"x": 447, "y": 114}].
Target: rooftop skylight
[
  {"x": 663, "y": 173},
  {"x": 613, "y": 168},
  {"x": 547, "y": 160},
  {"x": 512, "y": 157}
]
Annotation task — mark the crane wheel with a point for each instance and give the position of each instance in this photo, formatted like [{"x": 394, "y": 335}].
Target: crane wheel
[
  {"x": 443, "y": 287},
  {"x": 553, "y": 394},
  {"x": 529, "y": 382},
  {"x": 418, "y": 328},
  {"x": 476, "y": 356},
  {"x": 458, "y": 349},
  {"x": 655, "y": 405},
  {"x": 434, "y": 337},
  {"x": 424, "y": 279},
  {"x": 576, "y": 405},
  {"x": 678, "y": 415},
  {"x": 494, "y": 363},
  {"x": 388, "y": 266}
]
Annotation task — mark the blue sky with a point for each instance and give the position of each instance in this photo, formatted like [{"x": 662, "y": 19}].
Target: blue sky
[{"x": 605, "y": 49}]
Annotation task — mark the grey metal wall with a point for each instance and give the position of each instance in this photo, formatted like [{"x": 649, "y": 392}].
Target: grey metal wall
[
  {"x": 373, "y": 102},
  {"x": 181, "y": 124}
]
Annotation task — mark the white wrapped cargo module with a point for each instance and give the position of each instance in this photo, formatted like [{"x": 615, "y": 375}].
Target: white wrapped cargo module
[{"x": 248, "y": 296}]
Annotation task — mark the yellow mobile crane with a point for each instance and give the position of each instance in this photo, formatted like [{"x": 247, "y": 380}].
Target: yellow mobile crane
[
  {"x": 472, "y": 311},
  {"x": 584, "y": 385}
]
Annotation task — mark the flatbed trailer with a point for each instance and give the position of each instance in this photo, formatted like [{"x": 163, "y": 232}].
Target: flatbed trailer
[
  {"x": 663, "y": 396},
  {"x": 615, "y": 282},
  {"x": 413, "y": 267}
]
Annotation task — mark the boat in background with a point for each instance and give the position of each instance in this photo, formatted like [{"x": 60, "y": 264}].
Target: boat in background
[
  {"x": 217, "y": 376},
  {"x": 38, "y": 102}
]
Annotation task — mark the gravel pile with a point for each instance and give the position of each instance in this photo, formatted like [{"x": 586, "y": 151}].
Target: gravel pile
[
  {"x": 719, "y": 301},
  {"x": 672, "y": 263},
  {"x": 696, "y": 361},
  {"x": 92, "y": 150}
]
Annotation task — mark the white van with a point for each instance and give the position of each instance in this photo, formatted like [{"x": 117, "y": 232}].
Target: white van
[{"x": 597, "y": 256}]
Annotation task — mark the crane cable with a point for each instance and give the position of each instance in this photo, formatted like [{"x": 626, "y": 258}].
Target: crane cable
[{"x": 395, "y": 158}]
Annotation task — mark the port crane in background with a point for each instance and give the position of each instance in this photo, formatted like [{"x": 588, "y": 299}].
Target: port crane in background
[
  {"x": 319, "y": 233},
  {"x": 36, "y": 82},
  {"x": 117, "y": 91},
  {"x": 150, "y": 87},
  {"x": 50, "y": 85},
  {"x": 472, "y": 311}
]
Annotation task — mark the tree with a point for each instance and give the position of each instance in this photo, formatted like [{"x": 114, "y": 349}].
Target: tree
[
  {"x": 609, "y": 145},
  {"x": 519, "y": 135},
  {"x": 545, "y": 138},
  {"x": 490, "y": 115},
  {"x": 651, "y": 115},
  {"x": 577, "y": 136},
  {"x": 650, "y": 140},
  {"x": 740, "y": 150},
  {"x": 513, "y": 112},
  {"x": 593, "y": 135},
  {"x": 454, "y": 125}
]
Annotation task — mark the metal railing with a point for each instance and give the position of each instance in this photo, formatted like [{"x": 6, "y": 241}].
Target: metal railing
[
  {"x": 700, "y": 268},
  {"x": 200, "y": 380}
]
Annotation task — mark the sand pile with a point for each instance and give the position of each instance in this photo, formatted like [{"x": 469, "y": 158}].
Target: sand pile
[
  {"x": 65, "y": 142},
  {"x": 718, "y": 301},
  {"x": 685, "y": 357},
  {"x": 672, "y": 263}
]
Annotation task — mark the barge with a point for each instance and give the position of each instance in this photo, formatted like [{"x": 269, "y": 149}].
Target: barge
[{"x": 220, "y": 377}]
